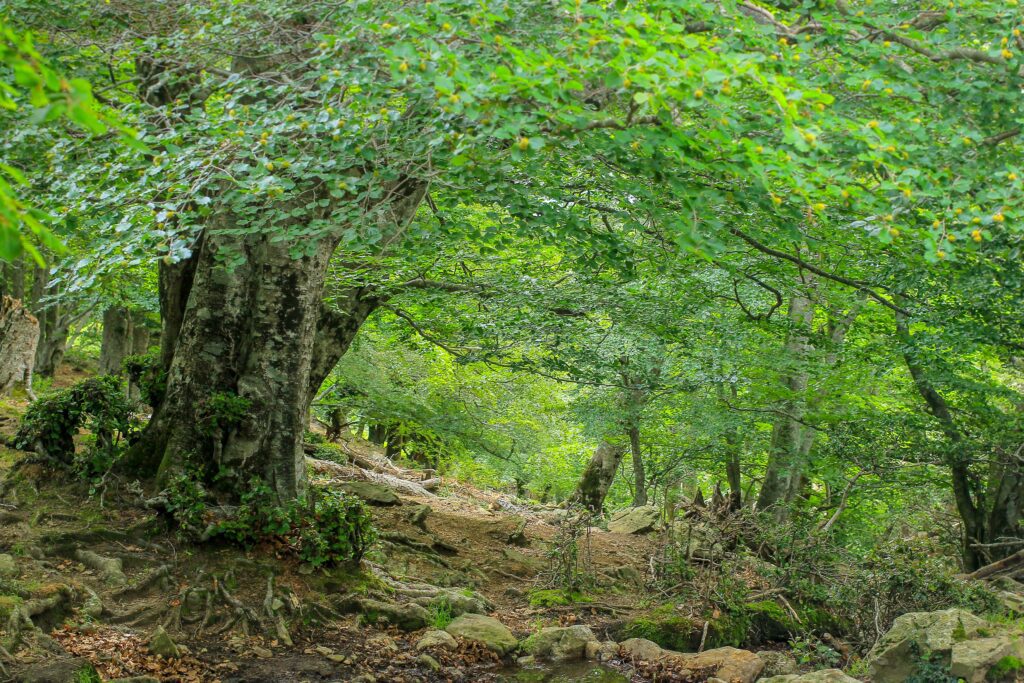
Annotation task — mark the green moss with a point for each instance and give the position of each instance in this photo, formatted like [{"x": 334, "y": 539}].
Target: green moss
[
  {"x": 8, "y": 603},
  {"x": 666, "y": 627},
  {"x": 555, "y": 597},
  {"x": 1004, "y": 668}
]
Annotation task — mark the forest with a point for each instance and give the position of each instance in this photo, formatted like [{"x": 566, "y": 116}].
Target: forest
[{"x": 512, "y": 341}]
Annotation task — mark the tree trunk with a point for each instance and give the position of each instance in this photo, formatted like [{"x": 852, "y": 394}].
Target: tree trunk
[
  {"x": 598, "y": 476},
  {"x": 247, "y": 337},
  {"x": 117, "y": 339},
  {"x": 54, "y": 328},
  {"x": 639, "y": 476},
  {"x": 971, "y": 514},
  {"x": 787, "y": 434}
]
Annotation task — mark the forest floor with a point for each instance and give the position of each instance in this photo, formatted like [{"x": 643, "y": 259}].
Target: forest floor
[{"x": 98, "y": 573}]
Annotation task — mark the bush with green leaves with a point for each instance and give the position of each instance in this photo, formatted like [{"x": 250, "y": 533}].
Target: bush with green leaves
[
  {"x": 99, "y": 405},
  {"x": 326, "y": 528},
  {"x": 147, "y": 373},
  {"x": 336, "y": 529}
]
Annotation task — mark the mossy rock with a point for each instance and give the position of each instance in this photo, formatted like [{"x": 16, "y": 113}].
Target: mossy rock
[
  {"x": 8, "y": 603},
  {"x": 666, "y": 627}
]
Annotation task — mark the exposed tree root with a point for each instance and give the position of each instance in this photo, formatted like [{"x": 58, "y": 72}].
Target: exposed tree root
[{"x": 109, "y": 569}]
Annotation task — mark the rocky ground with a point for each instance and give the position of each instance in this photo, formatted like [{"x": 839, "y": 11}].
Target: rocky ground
[{"x": 93, "y": 586}]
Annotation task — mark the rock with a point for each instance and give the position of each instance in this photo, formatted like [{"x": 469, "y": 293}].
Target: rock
[
  {"x": 407, "y": 616},
  {"x": 418, "y": 515},
  {"x": 825, "y": 676},
  {"x": 436, "y": 639},
  {"x": 732, "y": 664},
  {"x": 635, "y": 520},
  {"x": 641, "y": 649},
  {"x": 777, "y": 663},
  {"x": 729, "y": 663},
  {"x": 972, "y": 659},
  {"x": 493, "y": 634},
  {"x": 8, "y": 566},
  {"x": 92, "y": 606},
  {"x": 894, "y": 657},
  {"x": 559, "y": 643},
  {"x": 382, "y": 643},
  {"x": 161, "y": 644},
  {"x": 58, "y": 670},
  {"x": 429, "y": 662},
  {"x": 262, "y": 652},
  {"x": 372, "y": 493},
  {"x": 519, "y": 563}
]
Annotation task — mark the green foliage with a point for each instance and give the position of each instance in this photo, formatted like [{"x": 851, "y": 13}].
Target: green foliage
[
  {"x": 569, "y": 553},
  {"x": 338, "y": 529},
  {"x": 440, "y": 613},
  {"x": 1004, "y": 668},
  {"x": 328, "y": 528},
  {"x": 147, "y": 372},
  {"x": 812, "y": 651},
  {"x": 555, "y": 597},
  {"x": 87, "y": 674},
  {"x": 98, "y": 405},
  {"x": 932, "y": 668},
  {"x": 221, "y": 411}
]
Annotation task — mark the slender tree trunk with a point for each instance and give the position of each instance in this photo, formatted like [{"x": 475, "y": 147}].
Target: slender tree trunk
[
  {"x": 971, "y": 513},
  {"x": 639, "y": 475},
  {"x": 787, "y": 433},
  {"x": 598, "y": 476},
  {"x": 117, "y": 340}
]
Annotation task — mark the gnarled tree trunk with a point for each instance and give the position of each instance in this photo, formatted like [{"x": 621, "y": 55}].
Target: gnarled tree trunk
[
  {"x": 256, "y": 336},
  {"x": 598, "y": 476}
]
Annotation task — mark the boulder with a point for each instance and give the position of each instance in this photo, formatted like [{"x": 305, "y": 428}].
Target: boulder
[
  {"x": 374, "y": 494},
  {"x": 407, "y": 616},
  {"x": 971, "y": 660},
  {"x": 488, "y": 631},
  {"x": 727, "y": 663},
  {"x": 826, "y": 676},
  {"x": 58, "y": 670},
  {"x": 894, "y": 658},
  {"x": 777, "y": 663},
  {"x": 161, "y": 644},
  {"x": 635, "y": 520},
  {"x": 436, "y": 639},
  {"x": 560, "y": 643}
]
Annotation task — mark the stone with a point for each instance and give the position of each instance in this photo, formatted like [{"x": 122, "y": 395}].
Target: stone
[
  {"x": 429, "y": 662},
  {"x": 641, "y": 649},
  {"x": 436, "y": 639},
  {"x": 57, "y": 670},
  {"x": 777, "y": 663},
  {"x": 894, "y": 658},
  {"x": 559, "y": 643},
  {"x": 636, "y": 520},
  {"x": 161, "y": 644},
  {"x": 824, "y": 676},
  {"x": 418, "y": 515},
  {"x": 407, "y": 616},
  {"x": 372, "y": 493},
  {"x": 488, "y": 631},
  {"x": 8, "y": 566},
  {"x": 972, "y": 659},
  {"x": 729, "y": 663}
]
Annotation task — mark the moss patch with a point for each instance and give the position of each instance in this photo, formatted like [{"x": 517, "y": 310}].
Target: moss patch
[{"x": 555, "y": 598}]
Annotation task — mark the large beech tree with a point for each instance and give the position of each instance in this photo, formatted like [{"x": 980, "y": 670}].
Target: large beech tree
[{"x": 289, "y": 139}]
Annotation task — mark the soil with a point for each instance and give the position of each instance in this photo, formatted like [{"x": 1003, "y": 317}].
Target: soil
[{"x": 213, "y": 598}]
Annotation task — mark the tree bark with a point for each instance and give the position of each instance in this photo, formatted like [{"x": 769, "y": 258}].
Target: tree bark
[
  {"x": 117, "y": 340},
  {"x": 639, "y": 476},
  {"x": 257, "y": 334},
  {"x": 598, "y": 476},
  {"x": 787, "y": 435}
]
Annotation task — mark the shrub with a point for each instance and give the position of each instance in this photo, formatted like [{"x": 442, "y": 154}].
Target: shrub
[
  {"x": 338, "y": 530},
  {"x": 98, "y": 404},
  {"x": 147, "y": 373}
]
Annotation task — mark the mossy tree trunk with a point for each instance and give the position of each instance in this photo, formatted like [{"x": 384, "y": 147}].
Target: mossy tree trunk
[
  {"x": 598, "y": 476},
  {"x": 255, "y": 336}
]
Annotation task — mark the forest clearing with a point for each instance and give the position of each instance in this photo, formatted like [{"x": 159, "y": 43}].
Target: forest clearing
[{"x": 511, "y": 341}]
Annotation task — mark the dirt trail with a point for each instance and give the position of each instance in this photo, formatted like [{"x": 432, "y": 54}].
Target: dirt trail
[{"x": 94, "y": 581}]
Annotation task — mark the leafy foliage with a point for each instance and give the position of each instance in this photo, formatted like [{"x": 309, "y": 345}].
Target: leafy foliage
[{"x": 99, "y": 405}]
